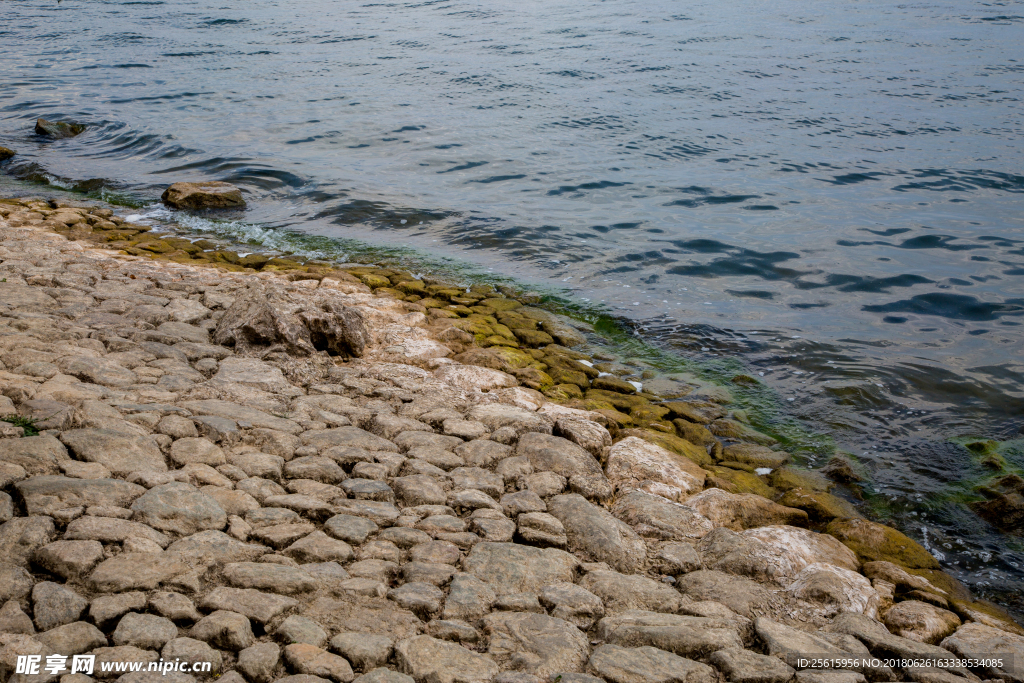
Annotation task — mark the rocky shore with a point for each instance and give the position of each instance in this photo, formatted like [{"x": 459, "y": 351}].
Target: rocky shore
[{"x": 302, "y": 473}]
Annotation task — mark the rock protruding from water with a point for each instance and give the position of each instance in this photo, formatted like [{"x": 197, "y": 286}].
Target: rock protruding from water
[
  {"x": 6, "y": 153},
  {"x": 57, "y": 129},
  {"x": 211, "y": 194}
]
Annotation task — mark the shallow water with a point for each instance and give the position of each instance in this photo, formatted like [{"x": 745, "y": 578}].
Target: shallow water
[{"x": 832, "y": 191}]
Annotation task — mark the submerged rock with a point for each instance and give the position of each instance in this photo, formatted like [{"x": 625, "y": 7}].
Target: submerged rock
[
  {"x": 58, "y": 129},
  {"x": 204, "y": 195}
]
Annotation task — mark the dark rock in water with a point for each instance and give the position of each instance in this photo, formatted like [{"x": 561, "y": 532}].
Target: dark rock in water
[
  {"x": 206, "y": 195},
  {"x": 263, "y": 317},
  {"x": 58, "y": 129},
  {"x": 6, "y": 153},
  {"x": 839, "y": 469},
  {"x": 1005, "y": 505}
]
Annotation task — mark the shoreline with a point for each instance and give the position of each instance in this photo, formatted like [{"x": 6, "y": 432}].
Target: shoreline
[{"x": 207, "y": 431}]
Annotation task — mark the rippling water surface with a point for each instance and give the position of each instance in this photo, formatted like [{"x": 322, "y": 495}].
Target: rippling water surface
[{"x": 832, "y": 190}]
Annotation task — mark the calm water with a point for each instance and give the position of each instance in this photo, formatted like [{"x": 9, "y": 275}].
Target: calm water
[{"x": 832, "y": 189}]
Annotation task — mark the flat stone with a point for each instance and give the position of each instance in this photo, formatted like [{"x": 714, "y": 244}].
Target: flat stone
[
  {"x": 553, "y": 454},
  {"x": 233, "y": 411},
  {"x": 593, "y": 531},
  {"x": 382, "y": 675},
  {"x": 42, "y": 454},
  {"x": 299, "y": 629},
  {"x": 309, "y": 506},
  {"x": 350, "y": 528},
  {"x": 69, "y": 559},
  {"x": 120, "y": 453},
  {"x": 585, "y": 433},
  {"x": 111, "y": 530},
  {"x": 145, "y": 631},
  {"x": 835, "y": 589},
  {"x": 196, "y": 450},
  {"x": 539, "y": 644},
  {"x": 418, "y": 489},
  {"x": 257, "y": 605},
  {"x": 323, "y": 439},
  {"x": 978, "y": 641},
  {"x": 254, "y": 373},
  {"x": 105, "y": 609},
  {"x": 743, "y": 511},
  {"x": 687, "y": 636},
  {"x": 216, "y": 547},
  {"x": 790, "y": 645},
  {"x": 422, "y": 599},
  {"x": 259, "y": 662},
  {"x": 744, "y": 666},
  {"x": 45, "y": 495},
  {"x": 135, "y": 571},
  {"x": 540, "y": 528},
  {"x": 319, "y": 547},
  {"x": 573, "y": 603},
  {"x": 653, "y": 516},
  {"x": 308, "y": 659},
  {"x": 179, "y": 508},
  {"x": 276, "y": 578},
  {"x": 22, "y": 536},
  {"x": 647, "y": 665},
  {"x": 366, "y": 651},
  {"x": 635, "y": 464},
  {"x": 483, "y": 453},
  {"x": 740, "y": 594},
  {"x": 512, "y": 568},
  {"x": 174, "y": 606},
  {"x": 196, "y": 651},
  {"x": 621, "y": 592},
  {"x": 428, "y": 659},
  {"x": 55, "y": 605},
  {"x": 224, "y": 630}
]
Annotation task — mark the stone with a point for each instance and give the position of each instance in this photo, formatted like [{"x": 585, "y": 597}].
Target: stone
[
  {"x": 820, "y": 506},
  {"x": 621, "y": 592},
  {"x": 112, "y": 530},
  {"x": 873, "y": 542},
  {"x": 177, "y": 427},
  {"x": 258, "y": 662},
  {"x": 635, "y": 464},
  {"x": 58, "y": 129},
  {"x": 120, "y": 453},
  {"x": 978, "y": 641},
  {"x": 105, "y": 609},
  {"x": 216, "y": 547},
  {"x": 69, "y": 559},
  {"x": 536, "y": 643},
  {"x": 209, "y": 194},
  {"x": 483, "y": 453},
  {"x": 422, "y": 599},
  {"x": 647, "y": 665},
  {"x": 256, "y": 605},
  {"x": 319, "y": 547},
  {"x": 471, "y": 377},
  {"x": 282, "y": 535},
  {"x": 593, "y": 531},
  {"x": 196, "y": 450},
  {"x": 512, "y": 568},
  {"x": 465, "y": 429},
  {"x": 776, "y": 553},
  {"x": 299, "y": 629},
  {"x": 653, "y": 516},
  {"x": 686, "y": 636},
  {"x": 790, "y": 644},
  {"x": 276, "y": 578},
  {"x": 428, "y": 572},
  {"x": 837, "y": 590},
  {"x": 519, "y": 502},
  {"x": 418, "y": 489},
  {"x": 350, "y": 437},
  {"x": 174, "y": 606},
  {"x": 41, "y": 454},
  {"x": 225, "y": 630},
  {"x": 920, "y": 621},
  {"x": 308, "y": 659},
  {"x": 539, "y": 528},
  {"x": 72, "y": 639},
  {"x": 135, "y": 571},
  {"x": 553, "y": 454},
  {"x": 55, "y": 605},
  {"x": 382, "y": 675},
  {"x": 572, "y": 603},
  {"x": 740, "y": 594},
  {"x": 437, "y": 661},
  {"x": 237, "y": 413},
  {"x": 587, "y": 434},
  {"x": 22, "y": 536},
  {"x": 263, "y": 316},
  {"x": 366, "y": 651},
  {"x": 145, "y": 631},
  {"x": 14, "y": 620},
  {"x": 678, "y": 558},
  {"x": 469, "y": 598},
  {"x": 743, "y": 511},
  {"x": 744, "y": 666},
  {"x": 179, "y": 508},
  {"x": 45, "y": 495},
  {"x": 195, "y": 651}
]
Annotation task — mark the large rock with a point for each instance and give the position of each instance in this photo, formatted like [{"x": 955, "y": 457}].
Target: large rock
[
  {"x": 775, "y": 553},
  {"x": 977, "y": 641},
  {"x": 255, "y": 373},
  {"x": 21, "y": 536},
  {"x": 42, "y": 454},
  {"x": 47, "y": 494},
  {"x": 554, "y": 454},
  {"x": 655, "y": 517},
  {"x": 921, "y": 621},
  {"x": 637, "y": 464},
  {"x": 120, "y": 453},
  {"x": 179, "y": 508},
  {"x": 352, "y": 437},
  {"x": 269, "y": 576},
  {"x": 264, "y": 316},
  {"x": 257, "y": 605},
  {"x": 69, "y": 559},
  {"x": 512, "y": 568},
  {"x": 740, "y": 594},
  {"x": 58, "y": 129},
  {"x": 537, "y": 643},
  {"x": 210, "y": 194},
  {"x": 744, "y": 510},
  {"x": 238, "y": 413},
  {"x": 687, "y": 636},
  {"x": 112, "y": 530},
  {"x": 429, "y": 660},
  {"x": 621, "y": 592},
  {"x": 216, "y": 547},
  {"x": 135, "y": 571},
  {"x": 593, "y": 531},
  {"x": 647, "y": 665},
  {"x": 883, "y": 644},
  {"x": 835, "y": 589},
  {"x": 792, "y": 645},
  {"x": 872, "y": 542}
]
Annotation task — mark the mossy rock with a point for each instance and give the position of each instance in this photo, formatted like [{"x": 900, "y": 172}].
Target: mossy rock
[
  {"x": 615, "y": 384},
  {"x": 533, "y": 338},
  {"x": 440, "y": 312},
  {"x": 618, "y": 401},
  {"x": 503, "y": 331},
  {"x": 434, "y": 303},
  {"x": 444, "y": 291},
  {"x": 481, "y": 317},
  {"x": 389, "y": 292},
  {"x": 483, "y": 310},
  {"x": 820, "y": 507},
  {"x": 731, "y": 429},
  {"x": 156, "y": 247},
  {"x": 373, "y": 281},
  {"x": 564, "y": 375},
  {"x": 477, "y": 328},
  {"x": 283, "y": 263},
  {"x": 694, "y": 433},
  {"x": 738, "y": 481},
  {"x": 744, "y": 380},
  {"x": 788, "y": 478},
  {"x": 650, "y": 413},
  {"x": 464, "y": 300},
  {"x": 256, "y": 261},
  {"x": 872, "y": 541},
  {"x": 498, "y": 340},
  {"x": 560, "y": 350},
  {"x": 501, "y": 304},
  {"x": 533, "y": 378},
  {"x": 673, "y": 443},
  {"x": 564, "y": 392},
  {"x": 412, "y": 287},
  {"x": 986, "y": 613}
]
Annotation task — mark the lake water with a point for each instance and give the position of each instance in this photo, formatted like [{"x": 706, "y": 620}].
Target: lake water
[{"x": 832, "y": 190}]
